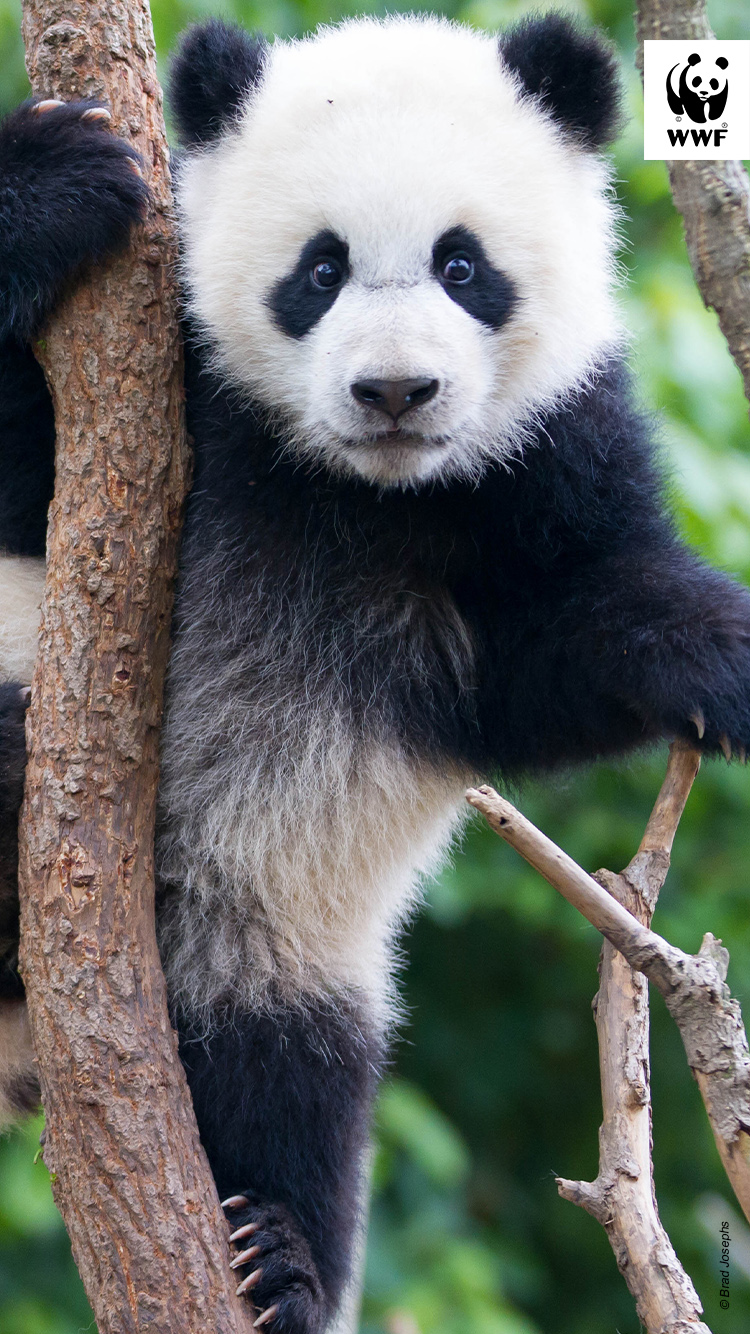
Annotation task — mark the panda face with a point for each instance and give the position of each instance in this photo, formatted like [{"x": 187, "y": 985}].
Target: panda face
[
  {"x": 706, "y": 79},
  {"x": 396, "y": 253}
]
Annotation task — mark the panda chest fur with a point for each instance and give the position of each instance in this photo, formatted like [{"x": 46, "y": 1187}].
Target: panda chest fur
[{"x": 303, "y": 795}]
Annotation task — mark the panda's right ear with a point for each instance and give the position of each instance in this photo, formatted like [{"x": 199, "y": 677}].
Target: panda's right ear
[
  {"x": 215, "y": 67},
  {"x": 570, "y": 71}
]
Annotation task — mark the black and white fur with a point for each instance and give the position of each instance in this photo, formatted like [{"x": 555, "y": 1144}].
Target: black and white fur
[{"x": 427, "y": 542}]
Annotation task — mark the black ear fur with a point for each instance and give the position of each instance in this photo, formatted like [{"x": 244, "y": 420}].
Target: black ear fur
[
  {"x": 216, "y": 65},
  {"x": 572, "y": 70}
]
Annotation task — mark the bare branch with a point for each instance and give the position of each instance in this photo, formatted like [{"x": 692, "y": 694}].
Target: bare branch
[
  {"x": 580, "y": 889},
  {"x": 693, "y": 986},
  {"x": 622, "y": 1197},
  {"x": 713, "y": 198},
  {"x": 648, "y": 869},
  {"x": 129, "y": 1174}
]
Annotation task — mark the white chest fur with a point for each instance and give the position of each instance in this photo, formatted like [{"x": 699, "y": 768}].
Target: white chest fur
[{"x": 296, "y": 865}]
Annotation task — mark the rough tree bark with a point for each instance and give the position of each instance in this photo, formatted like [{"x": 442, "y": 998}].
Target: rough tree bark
[{"x": 129, "y": 1175}]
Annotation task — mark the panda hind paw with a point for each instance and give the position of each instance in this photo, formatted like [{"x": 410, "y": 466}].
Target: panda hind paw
[{"x": 280, "y": 1275}]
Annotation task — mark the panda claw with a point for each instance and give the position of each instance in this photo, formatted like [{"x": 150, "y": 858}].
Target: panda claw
[
  {"x": 726, "y": 747},
  {"x": 134, "y": 167},
  {"x": 25, "y": 694},
  {"x": 97, "y": 113},
  {"x": 700, "y": 723},
  {"x": 234, "y": 1202},
  {"x": 250, "y": 1281},
  {"x": 244, "y": 1256},
  {"x": 742, "y": 754},
  {"x": 246, "y": 1231},
  {"x": 265, "y": 1316},
  {"x": 47, "y": 104}
]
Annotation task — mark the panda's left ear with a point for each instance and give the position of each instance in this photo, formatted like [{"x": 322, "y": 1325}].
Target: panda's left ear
[
  {"x": 214, "y": 69},
  {"x": 573, "y": 73}
]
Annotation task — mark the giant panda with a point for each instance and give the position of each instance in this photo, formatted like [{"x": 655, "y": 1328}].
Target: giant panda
[
  {"x": 701, "y": 93},
  {"x": 427, "y": 543}
]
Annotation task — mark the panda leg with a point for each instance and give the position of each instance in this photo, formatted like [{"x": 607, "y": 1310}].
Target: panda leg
[{"x": 283, "y": 1102}]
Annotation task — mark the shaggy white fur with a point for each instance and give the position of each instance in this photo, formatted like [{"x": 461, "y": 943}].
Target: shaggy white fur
[
  {"x": 297, "y": 850},
  {"x": 21, "y": 588},
  {"x": 341, "y": 135}
]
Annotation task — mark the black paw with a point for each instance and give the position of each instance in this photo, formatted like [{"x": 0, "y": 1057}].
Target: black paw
[
  {"x": 728, "y": 738},
  {"x": 279, "y": 1273},
  {"x": 70, "y": 191}
]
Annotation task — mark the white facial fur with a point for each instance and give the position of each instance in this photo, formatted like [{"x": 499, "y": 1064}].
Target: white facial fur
[{"x": 389, "y": 134}]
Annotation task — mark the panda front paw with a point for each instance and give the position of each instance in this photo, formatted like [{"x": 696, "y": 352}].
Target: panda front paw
[
  {"x": 728, "y": 737},
  {"x": 280, "y": 1276},
  {"x": 70, "y": 191}
]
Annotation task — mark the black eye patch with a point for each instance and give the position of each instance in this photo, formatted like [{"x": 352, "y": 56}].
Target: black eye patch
[
  {"x": 298, "y": 301},
  {"x": 488, "y": 294}
]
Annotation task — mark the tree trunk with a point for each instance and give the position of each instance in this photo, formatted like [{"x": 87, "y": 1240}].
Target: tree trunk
[{"x": 129, "y": 1175}]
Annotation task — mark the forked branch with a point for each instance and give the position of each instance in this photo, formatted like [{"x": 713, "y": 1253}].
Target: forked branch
[{"x": 620, "y": 906}]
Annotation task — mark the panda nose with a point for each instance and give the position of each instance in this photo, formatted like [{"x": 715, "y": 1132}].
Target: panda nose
[{"x": 394, "y": 397}]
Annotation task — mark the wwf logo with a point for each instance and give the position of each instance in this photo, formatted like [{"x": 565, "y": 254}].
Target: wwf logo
[
  {"x": 696, "y": 99},
  {"x": 698, "y": 88}
]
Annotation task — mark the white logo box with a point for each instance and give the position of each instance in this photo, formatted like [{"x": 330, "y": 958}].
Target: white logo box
[{"x": 696, "y": 100}]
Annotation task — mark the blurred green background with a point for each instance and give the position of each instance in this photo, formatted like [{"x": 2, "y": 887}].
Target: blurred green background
[{"x": 495, "y": 1084}]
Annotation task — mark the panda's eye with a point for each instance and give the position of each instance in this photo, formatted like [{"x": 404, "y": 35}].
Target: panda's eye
[
  {"x": 458, "y": 269},
  {"x": 326, "y": 273},
  {"x": 714, "y": 83},
  {"x": 697, "y": 80}
]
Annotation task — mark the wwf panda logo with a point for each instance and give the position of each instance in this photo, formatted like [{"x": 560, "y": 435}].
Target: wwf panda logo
[{"x": 698, "y": 93}]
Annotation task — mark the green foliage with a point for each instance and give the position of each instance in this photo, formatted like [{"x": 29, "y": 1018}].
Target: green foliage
[{"x": 495, "y": 1086}]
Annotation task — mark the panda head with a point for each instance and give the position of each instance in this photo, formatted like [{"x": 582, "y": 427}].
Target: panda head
[
  {"x": 398, "y": 235},
  {"x": 706, "y": 78}
]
